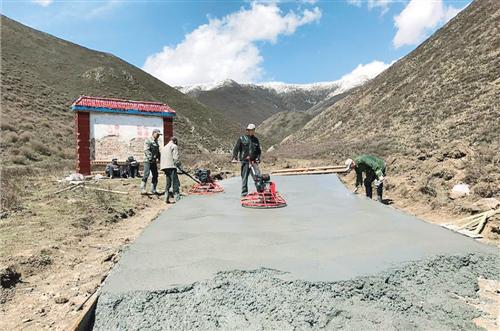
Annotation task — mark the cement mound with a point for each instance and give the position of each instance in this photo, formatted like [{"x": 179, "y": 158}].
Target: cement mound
[{"x": 424, "y": 295}]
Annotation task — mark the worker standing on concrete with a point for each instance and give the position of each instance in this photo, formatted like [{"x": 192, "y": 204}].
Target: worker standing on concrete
[
  {"x": 374, "y": 169},
  {"x": 151, "y": 157},
  {"x": 247, "y": 151},
  {"x": 168, "y": 164}
]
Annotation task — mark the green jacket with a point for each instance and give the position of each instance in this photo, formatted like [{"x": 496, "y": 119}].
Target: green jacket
[
  {"x": 151, "y": 150},
  {"x": 370, "y": 165}
]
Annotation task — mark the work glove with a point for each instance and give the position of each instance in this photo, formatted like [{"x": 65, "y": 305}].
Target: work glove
[
  {"x": 234, "y": 161},
  {"x": 379, "y": 181},
  {"x": 178, "y": 164}
]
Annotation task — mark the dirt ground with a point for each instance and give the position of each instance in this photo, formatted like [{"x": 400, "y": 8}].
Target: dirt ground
[{"x": 63, "y": 245}]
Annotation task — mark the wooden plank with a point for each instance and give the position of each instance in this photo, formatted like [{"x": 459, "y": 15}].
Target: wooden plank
[
  {"x": 308, "y": 169},
  {"x": 104, "y": 190},
  {"x": 73, "y": 186},
  {"x": 85, "y": 320},
  {"x": 319, "y": 172}
]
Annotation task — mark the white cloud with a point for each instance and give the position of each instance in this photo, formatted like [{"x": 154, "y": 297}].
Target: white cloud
[
  {"x": 43, "y": 3},
  {"x": 363, "y": 73},
  {"x": 383, "y": 4},
  {"x": 356, "y": 3},
  {"x": 226, "y": 48},
  {"x": 419, "y": 18},
  {"x": 103, "y": 9}
]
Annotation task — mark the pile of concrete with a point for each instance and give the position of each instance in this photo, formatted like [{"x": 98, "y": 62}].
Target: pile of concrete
[{"x": 423, "y": 295}]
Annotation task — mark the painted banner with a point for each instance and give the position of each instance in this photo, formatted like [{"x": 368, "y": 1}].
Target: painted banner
[{"x": 120, "y": 135}]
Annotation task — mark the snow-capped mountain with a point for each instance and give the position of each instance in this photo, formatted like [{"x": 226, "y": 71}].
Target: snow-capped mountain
[{"x": 245, "y": 102}]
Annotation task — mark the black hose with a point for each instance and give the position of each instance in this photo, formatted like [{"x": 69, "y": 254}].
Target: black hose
[{"x": 183, "y": 172}]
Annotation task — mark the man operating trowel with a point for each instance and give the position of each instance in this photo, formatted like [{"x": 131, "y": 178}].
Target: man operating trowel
[
  {"x": 374, "y": 169},
  {"x": 247, "y": 150}
]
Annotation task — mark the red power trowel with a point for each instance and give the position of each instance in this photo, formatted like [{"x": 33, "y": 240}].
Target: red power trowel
[{"x": 266, "y": 195}]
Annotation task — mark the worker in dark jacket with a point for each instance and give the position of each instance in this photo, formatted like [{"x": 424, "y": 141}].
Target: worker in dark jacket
[
  {"x": 374, "y": 169},
  {"x": 151, "y": 157},
  {"x": 247, "y": 151},
  {"x": 113, "y": 169},
  {"x": 132, "y": 167}
]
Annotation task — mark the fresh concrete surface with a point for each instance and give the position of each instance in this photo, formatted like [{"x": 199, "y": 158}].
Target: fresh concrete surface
[{"x": 324, "y": 234}]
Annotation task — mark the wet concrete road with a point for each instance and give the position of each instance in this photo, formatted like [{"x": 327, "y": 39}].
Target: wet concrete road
[{"x": 324, "y": 234}]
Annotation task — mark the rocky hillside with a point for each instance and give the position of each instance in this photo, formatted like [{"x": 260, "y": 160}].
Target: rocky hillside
[
  {"x": 433, "y": 115},
  {"x": 282, "y": 124},
  {"x": 42, "y": 76}
]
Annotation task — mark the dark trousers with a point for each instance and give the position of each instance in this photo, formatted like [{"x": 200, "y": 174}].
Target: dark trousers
[
  {"x": 245, "y": 172},
  {"x": 133, "y": 171},
  {"x": 172, "y": 180},
  {"x": 370, "y": 178},
  {"x": 153, "y": 168}
]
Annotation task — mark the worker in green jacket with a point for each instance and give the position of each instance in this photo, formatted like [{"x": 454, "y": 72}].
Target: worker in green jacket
[
  {"x": 151, "y": 157},
  {"x": 374, "y": 169}
]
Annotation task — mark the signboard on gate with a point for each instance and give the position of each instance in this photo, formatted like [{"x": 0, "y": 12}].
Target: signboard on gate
[{"x": 120, "y": 135}]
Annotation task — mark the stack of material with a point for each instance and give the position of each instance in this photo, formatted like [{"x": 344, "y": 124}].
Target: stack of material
[
  {"x": 310, "y": 171},
  {"x": 472, "y": 226}
]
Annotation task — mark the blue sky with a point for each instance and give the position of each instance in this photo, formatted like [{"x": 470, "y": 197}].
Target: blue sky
[{"x": 187, "y": 42}]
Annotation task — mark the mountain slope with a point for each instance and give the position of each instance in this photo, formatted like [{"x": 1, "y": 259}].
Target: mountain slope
[
  {"x": 253, "y": 103},
  {"x": 282, "y": 124},
  {"x": 433, "y": 115},
  {"x": 42, "y": 76},
  {"x": 242, "y": 104}
]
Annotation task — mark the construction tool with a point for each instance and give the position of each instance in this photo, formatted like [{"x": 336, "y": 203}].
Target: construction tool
[
  {"x": 204, "y": 183},
  {"x": 266, "y": 195}
]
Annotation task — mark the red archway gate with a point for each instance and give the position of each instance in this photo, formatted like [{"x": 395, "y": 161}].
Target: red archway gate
[{"x": 113, "y": 128}]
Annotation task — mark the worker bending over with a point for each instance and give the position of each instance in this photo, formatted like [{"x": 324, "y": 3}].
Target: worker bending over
[
  {"x": 374, "y": 169},
  {"x": 168, "y": 164},
  {"x": 151, "y": 157},
  {"x": 247, "y": 150}
]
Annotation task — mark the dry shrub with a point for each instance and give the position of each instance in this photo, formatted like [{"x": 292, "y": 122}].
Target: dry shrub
[
  {"x": 7, "y": 127},
  {"x": 10, "y": 137},
  {"x": 28, "y": 126},
  {"x": 19, "y": 160},
  {"x": 11, "y": 190},
  {"x": 486, "y": 190},
  {"x": 41, "y": 148},
  {"x": 25, "y": 136},
  {"x": 28, "y": 153}
]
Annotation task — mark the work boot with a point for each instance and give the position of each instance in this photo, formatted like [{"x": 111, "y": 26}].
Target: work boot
[
  {"x": 379, "y": 198},
  {"x": 166, "y": 197},
  {"x": 177, "y": 197},
  {"x": 153, "y": 189},
  {"x": 143, "y": 188}
]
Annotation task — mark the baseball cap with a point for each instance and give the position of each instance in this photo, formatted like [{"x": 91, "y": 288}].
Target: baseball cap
[
  {"x": 251, "y": 127},
  {"x": 157, "y": 131}
]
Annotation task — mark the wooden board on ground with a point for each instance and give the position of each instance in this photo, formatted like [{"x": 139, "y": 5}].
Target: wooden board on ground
[
  {"x": 325, "y": 168},
  {"x": 311, "y": 171}
]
